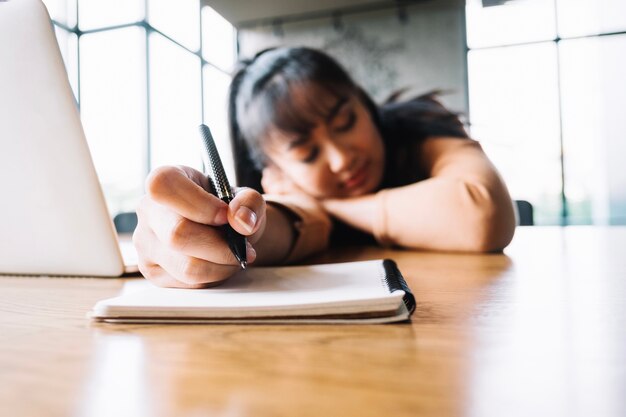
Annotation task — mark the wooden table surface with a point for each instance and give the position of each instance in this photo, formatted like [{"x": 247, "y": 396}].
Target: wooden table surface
[{"x": 537, "y": 331}]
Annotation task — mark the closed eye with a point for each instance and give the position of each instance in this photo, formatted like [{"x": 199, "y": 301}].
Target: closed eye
[
  {"x": 312, "y": 156},
  {"x": 347, "y": 125}
]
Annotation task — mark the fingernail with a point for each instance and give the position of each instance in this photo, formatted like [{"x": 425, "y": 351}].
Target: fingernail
[
  {"x": 246, "y": 218},
  {"x": 250, "y": 252},
  {"x": 222, "y": 216}
]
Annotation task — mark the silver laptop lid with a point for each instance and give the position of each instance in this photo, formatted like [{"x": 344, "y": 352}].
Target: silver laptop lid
[{"x": 53, "y": 216}]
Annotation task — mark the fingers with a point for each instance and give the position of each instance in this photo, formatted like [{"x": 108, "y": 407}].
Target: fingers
[
  {"x": 181, "y": 190},
  {"x": 184, "y": 190},
  {"x": 177, "y": 238},
  {"x": 190, "y": 270},
  {"x": 160, "y": 277},
  {"x": 246, "y": 213},
  {"x": 169, "y": 268},
  {"x": 181, "y": 235}
]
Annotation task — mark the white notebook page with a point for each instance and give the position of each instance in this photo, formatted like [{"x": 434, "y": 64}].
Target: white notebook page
[{"x": 316, "y": 289}]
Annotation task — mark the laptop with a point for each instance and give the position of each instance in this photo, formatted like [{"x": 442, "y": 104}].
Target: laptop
[{"x": 53, "y": 215}]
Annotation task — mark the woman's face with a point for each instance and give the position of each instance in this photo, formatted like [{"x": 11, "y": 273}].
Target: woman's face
[{"x": 342, "y": 156}]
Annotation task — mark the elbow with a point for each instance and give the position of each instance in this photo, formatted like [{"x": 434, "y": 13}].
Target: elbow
[
  {"x": 491, "y": 224},
  {"x": 492, "y": 235}
]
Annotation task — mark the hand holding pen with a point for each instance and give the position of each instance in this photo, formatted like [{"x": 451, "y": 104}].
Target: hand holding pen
[
  {"x": 179, "y": 237},
  {"x": 221, "y": 187}
]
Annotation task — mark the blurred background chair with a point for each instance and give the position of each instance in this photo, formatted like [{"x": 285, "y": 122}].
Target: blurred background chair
[
  {"x": 525, "y": 213},
  {"x": 125, "y": 222}
]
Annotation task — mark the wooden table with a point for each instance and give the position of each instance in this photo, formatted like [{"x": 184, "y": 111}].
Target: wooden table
[{"x": 537, "y": 331}]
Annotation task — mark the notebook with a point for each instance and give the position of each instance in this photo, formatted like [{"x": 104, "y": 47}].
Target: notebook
[
  {"x": 53, "y": 216},
  {"x": 351, "y": 292}
]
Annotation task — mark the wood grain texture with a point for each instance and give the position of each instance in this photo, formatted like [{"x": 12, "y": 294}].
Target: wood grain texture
[{"x": 537, "y": 331}]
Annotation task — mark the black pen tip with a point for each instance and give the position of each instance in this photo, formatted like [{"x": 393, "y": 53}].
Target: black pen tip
[{"x": 243, "y": 264}]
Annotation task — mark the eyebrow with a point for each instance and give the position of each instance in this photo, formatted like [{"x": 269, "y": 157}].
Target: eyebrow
[
  {"x": 298, "y": 141},
  {"x": 301, "y": 140},
  {"x": 333, "y": 112}
]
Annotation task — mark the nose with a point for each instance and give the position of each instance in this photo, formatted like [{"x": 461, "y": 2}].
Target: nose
[{"x": 340, "y": 158}]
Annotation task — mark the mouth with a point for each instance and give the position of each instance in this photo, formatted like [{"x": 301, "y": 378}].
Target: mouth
[{"x": 358, "y": 178}]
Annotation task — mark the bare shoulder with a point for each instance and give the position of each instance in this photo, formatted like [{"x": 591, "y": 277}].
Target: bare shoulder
[
  {"x": 438, "y": 146},
  {"x": 450, "y": 155}
]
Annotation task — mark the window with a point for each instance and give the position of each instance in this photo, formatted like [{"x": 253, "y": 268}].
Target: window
[
  {"x": 113, "y": 110},
  {"x": 145, "y": 73},
  {"x": 545, "y": 93}
]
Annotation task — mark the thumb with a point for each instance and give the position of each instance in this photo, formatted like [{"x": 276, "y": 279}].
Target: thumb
[{"x": 246, "y": 212}]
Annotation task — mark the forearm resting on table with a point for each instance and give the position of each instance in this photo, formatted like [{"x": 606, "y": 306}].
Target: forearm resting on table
[
  {"x": 464, "y": 206},
  {"x": 434, "y": 214},
  {"x": 446, "y": 214}
]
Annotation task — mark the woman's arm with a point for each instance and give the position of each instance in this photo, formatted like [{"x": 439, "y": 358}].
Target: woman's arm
[
  {"x": 178, "y": 238},
  {"x": 297, "y": 226},
  {"x": 463, "y": 206}
]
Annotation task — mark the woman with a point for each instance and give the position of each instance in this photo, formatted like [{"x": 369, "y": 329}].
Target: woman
[{"x": 335, "y": 168}]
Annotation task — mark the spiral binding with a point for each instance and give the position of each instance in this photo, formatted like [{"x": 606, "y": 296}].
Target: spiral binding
[{"x": 395, "y": 282}]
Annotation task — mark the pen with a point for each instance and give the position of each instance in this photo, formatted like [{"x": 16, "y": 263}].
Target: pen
[{"x": 221, "y": 188}]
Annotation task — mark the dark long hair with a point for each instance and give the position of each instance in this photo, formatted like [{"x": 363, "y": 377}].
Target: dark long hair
[{"x": 261, "y": 98}]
